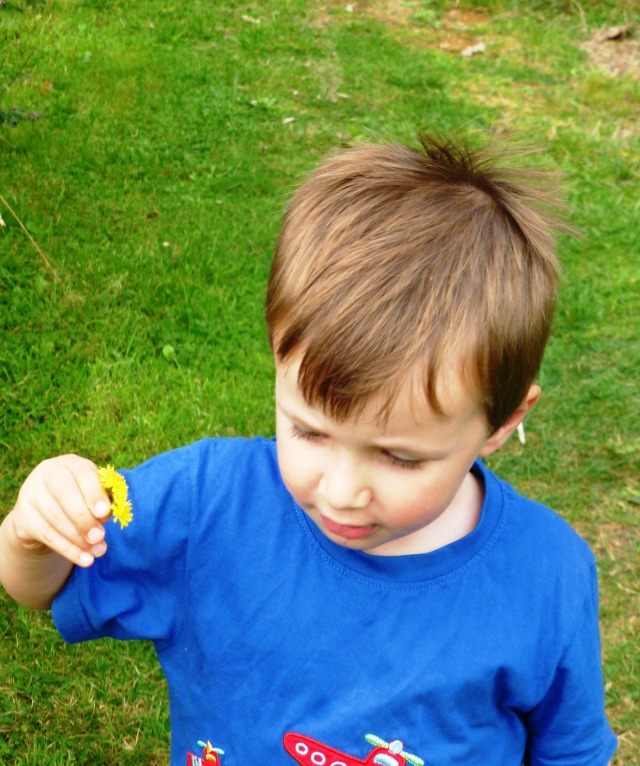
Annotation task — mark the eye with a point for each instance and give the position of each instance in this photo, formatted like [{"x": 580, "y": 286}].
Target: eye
[
  {"x": 402, "y": 462},
  {"x": 300, "y": 433}
]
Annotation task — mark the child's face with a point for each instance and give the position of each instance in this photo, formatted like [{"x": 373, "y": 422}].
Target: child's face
[{"x": 391, "y": 488}]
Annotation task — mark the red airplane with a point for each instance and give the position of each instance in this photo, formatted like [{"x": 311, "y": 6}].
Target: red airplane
[{"x": 308, "y": 752}]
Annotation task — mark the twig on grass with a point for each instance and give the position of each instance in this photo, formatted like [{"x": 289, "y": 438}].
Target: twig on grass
[
  {"x": 20, "y": 70},
  {"x": 37, "y": 247}
]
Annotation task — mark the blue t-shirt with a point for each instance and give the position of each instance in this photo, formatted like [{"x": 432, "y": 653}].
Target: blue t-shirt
[{"x": 483, "y": 652}]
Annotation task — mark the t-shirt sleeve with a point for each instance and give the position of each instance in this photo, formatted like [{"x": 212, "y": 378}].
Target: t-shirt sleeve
[
  {"x": 135, "y": 590},
  {"x": 569, "y": 725}
]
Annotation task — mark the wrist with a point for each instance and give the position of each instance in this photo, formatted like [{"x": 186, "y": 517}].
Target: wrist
[{"x": 31, "y": 573}]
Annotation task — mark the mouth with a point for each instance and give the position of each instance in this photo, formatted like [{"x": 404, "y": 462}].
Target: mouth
[{"x": 347, "y": 530}]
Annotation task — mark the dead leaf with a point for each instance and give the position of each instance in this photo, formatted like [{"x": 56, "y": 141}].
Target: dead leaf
[
  {"x": 473, "y": 49},
  {"x": 618, "y": 32},
  {"x": 616, "y": 51}
]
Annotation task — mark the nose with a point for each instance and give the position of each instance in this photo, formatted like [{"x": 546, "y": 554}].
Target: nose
[{"x": 344, "y": 483}]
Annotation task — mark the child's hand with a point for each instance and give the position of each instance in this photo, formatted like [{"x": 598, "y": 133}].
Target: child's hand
[{"x": 60, "y": 508}]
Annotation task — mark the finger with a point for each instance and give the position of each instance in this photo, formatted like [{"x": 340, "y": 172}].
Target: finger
[
  {"x": 45, "y": 513},
  {"x": 49, "y": 527},
  {"x": 60, "y": 545},
  {"x": 95, "y": 495},
  {"x": 76, "y": 554},
  {"x": 85, "y": 474},
  {"x": 66, "y": 492},
  {"x": 72, "y": 487}
]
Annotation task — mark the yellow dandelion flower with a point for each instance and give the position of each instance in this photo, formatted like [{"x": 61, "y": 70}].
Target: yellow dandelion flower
[
  {"x": 122, "y": 513},
  {"x": 115, "y": 486}
]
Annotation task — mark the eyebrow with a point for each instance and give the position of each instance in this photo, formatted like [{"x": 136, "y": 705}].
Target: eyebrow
[
  {"x": 294, "y": 416},
  {"x": 412, "y": 452}
]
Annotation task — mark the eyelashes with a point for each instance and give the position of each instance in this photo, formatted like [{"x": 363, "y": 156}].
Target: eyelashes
[
  {"x": 313, "y": 436},
  {"x": 408, "y": 465},
  {"x": 309, "y": 436}
]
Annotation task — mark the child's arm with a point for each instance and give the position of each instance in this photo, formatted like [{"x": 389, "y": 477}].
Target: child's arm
[{"x": 55, "y": 525}]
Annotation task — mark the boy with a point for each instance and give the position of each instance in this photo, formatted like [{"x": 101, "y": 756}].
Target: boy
[{"x": 364, "y": 573}]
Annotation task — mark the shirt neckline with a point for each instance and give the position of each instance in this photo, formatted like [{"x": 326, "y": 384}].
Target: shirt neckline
[{"x": 419, "y": 567}]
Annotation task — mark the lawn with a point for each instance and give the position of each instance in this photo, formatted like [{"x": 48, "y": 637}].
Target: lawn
[{"x": 146, "y": 154}]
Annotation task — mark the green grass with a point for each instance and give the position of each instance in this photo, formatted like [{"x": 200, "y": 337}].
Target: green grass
[{"x": 148, "y": 150}]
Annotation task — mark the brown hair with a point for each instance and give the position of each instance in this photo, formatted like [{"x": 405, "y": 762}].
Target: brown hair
[{"x": 393, "y": 259}]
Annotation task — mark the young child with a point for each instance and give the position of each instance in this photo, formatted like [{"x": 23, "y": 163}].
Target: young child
[{"x": 363, "y": 574}]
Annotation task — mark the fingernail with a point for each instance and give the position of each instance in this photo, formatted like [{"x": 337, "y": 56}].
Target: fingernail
[
  {"x": 102, "y": 508},
  {"x": 86, "y": 559},
  {"x": 95, "y": 535},
  {"x": 98, "y": 550}
]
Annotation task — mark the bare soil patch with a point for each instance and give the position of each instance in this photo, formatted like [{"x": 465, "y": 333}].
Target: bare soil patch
[
  {"x": 454, "y": 31},
  {"x": 615, "y": 51}
]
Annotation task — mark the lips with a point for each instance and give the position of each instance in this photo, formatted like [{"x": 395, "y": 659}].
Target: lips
[{"x": 347, "y": 530}]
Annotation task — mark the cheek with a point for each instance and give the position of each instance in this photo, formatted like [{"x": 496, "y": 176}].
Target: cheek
[
  {"x": 285, "y": 451},
  {"x": 413, "y": 500},
  {"x": 411, "y": 510},
  {"x": 295, "y": 466}
]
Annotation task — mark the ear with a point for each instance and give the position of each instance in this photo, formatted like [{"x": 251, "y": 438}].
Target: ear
[{"x": 497, "y": 439}]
